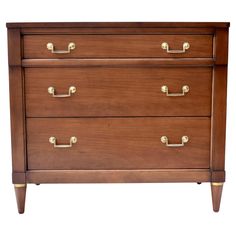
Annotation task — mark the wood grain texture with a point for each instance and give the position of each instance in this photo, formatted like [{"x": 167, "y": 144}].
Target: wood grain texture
[
  {"x": 118, "y": 92},
  {"x": 119, "y": 112},
  {"x": 118, "y": 143},
  {"x": 14, "y": 47},
  {"x": 219, "y": 99},
  {"x": 17, "y": 107},
  {"x": 221, "y": 46},
  {"x": 118, "y": 176},
  {"x": 218, "y": 119},
  {"x": 17, "y": 119},
  {"x": 117, "y": 30},
  {"x": 119, "y": 62},
  {"x": 113, "y": 46}
]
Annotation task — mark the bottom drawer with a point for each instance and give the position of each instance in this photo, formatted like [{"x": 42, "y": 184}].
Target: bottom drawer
[{"x": 118, "y": 143}]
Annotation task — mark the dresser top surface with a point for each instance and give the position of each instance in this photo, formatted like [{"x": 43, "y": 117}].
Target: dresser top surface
[{"x": 117, "y": 24}]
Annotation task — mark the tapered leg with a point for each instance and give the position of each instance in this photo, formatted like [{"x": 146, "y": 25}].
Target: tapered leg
[
  {"x": 20, "y": 191},
  {"x": 216, "y": 192}
]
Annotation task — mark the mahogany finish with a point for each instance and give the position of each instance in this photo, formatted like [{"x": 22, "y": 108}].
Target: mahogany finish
[
  {"x": 118, "y": 63},
  {"x": 216, "y": 192},
  {"x": 20, "y": 192},
  {"x": 115, "y": 25},
  {"x": 132, "y": 92},
  {"x": 118, "y": 143},
  {"x": 119, "y": 176},
  {"x": 115, "y": 46},
  {"x": 118, "y": 112}
]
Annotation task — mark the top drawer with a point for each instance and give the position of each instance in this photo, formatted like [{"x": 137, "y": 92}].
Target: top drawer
[{"x": 118, "y": 46}]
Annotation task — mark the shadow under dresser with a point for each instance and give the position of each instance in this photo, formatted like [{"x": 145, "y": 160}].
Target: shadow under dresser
[{"x": 118, "y": 103}]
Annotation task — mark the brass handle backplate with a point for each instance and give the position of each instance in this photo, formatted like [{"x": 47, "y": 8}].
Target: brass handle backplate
[
  {"x": 165, "y": 140},
  {"x": 165, "y": 46},
  {"x": 53, "y": 141},
  {"x": 165, "y": 89},
  {"x": 52, "y": 91},
  {"x": 51, "y": 47}
]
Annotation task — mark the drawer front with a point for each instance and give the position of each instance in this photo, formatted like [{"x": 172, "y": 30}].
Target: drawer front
[
  {"x": 111, "y": 46},
  {"x": 118, "y": 143},
  {"x": 118, "y": 92}
]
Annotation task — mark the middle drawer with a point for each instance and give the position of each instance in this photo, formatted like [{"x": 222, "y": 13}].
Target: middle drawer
[{"x": 81, "y": 92}]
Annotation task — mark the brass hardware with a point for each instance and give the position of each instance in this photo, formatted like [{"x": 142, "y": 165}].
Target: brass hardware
[
  {"x": 217, "y": 184},
  {"x": 53, "y": 141},
  {"x": 165, "y": 89},
  {"x": 19, "y": 185},
  {"x": 51, "y": 47},
  {"x": 184, "y": 139},
  {"x": 166, "y": 47},
  {"x": 72, "y": 90}
]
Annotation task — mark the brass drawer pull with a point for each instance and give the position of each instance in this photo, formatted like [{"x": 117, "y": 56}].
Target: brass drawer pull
[
  {"x": 53, "y": 141},
  {"x": 165, "y": 46},
  {"x": 165, "y": 89},
  {"x": 184, "y": 140},
  {"x": 52, "y": 90},
  {"x": 51, "y": 47}
]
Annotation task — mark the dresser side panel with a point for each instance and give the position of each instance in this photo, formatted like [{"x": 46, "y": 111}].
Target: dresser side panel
[
  {"x": 16, "y": 84},
  {"x": 219, "y": 99},
  {"x": 218, "y": 121}
]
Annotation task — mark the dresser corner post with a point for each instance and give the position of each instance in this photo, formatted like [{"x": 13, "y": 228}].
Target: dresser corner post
[
  {"x": 17, "y": 108},
  {"x": 218, "y": 115}
]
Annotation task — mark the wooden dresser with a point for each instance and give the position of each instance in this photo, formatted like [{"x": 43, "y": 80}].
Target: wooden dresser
[{"x": 118, "y": 102}]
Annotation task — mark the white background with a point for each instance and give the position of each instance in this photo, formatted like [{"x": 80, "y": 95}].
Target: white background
[{"x": 117, "y": 209}]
